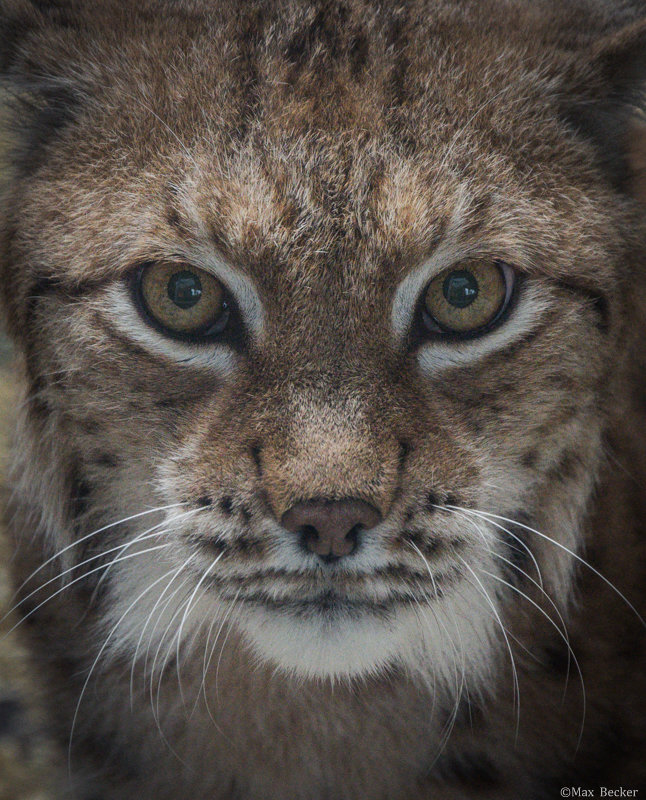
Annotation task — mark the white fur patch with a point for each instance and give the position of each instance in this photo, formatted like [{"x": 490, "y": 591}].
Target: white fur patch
[
  {"x": 125, "y": 317},
  {"x": 438, "y": 355}
]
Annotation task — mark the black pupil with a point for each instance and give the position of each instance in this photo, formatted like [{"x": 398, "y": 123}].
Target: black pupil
[
  {"x": 460, "y": 288},
  {"x": 185, "y": 289}
]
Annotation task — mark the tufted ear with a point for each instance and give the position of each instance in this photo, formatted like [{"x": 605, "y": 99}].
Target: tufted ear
[
  {"x": 606, "y": 104},
  {"x": 37, "y": 97}
]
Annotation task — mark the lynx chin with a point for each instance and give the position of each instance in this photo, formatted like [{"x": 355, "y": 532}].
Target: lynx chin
[{"x": 328, "y": 471}]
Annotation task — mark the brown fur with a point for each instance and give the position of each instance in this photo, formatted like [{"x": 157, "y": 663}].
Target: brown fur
[{"x": 325, "y": 150}]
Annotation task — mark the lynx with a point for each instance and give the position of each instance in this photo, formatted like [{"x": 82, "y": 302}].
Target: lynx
[{"x": 328, "y": 469}]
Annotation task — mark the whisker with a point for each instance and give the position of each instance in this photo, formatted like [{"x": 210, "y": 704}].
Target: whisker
[
  {"x": 87, "y": 561},
  {"x": 171, "y": 522},
  {"x": 486, "y": 515},
  {"x": 97, "y": 659},
  {"x": 89, "y": 536},
  {"x": 504, "y": 633},
  {"x": 565, "y": 639},
  {"x": 186, "y": 612},
  {"x": 143, "y": 631},
  {"x": 76, "y": 580},
  {"x": 155, "y": 704},
  {"x": 525, "y": 546},
  {"x": 449, "y": 725},
  {"x": 217, "y": 666},
  {"x": 539, "y": 586},
  {"x": 207, "y": 663},
  {"x": 159, "y": 617}
]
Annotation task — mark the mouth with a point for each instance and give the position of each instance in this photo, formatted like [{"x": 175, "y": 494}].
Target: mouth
[
  {"x": 329, "y": 605},
  {"x": 379, "y": 593},
  {"x": 320, "y": 624}
]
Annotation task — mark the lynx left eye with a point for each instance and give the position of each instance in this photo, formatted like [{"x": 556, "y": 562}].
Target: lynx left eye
[
  {"x": 183, "y": 301},
  {"x": 469, "y": 299}
]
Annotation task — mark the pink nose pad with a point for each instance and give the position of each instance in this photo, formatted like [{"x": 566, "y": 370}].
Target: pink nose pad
[{"x": 331, "y": 528}]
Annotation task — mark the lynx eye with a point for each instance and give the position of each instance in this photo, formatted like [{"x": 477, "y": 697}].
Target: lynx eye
[
  {"x": 182, "y": 300},
  {"x": 468, "y": 299}
]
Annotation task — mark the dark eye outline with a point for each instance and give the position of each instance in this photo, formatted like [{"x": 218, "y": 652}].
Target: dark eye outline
[
  {"x": 428, "y": 328},
  {"x": 228, "y": 331}
]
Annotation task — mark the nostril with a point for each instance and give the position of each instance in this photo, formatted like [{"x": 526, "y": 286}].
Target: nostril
[
  {"x": 331, "y": 528},
  {"x": 309, "y": 535}
]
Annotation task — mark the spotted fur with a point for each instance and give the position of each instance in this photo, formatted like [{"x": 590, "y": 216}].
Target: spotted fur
[{"x": 325, "y": 159}]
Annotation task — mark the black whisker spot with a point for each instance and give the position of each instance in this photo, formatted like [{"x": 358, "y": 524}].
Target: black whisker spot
[
  {"x": 556, "y": 658},
  {"x": 165, "y": 402},
  {"x": 413, "y": 537},
  {"x": 430, "y": 545},
  {"x": 517, "y": 551},
  {"x": 11, "y": 713},
  {"x": 256, "y": 456},
  {"x": 79, "y": 495},
  {"x": 404, "y": 450},
  {"x": 432, "y": 501},
  {"x": 205, "y": 501},
  {"x": 567, "y": 466},
  {"x": 602, "y": 307},
  {"x": 226, "y": 505},
  {"x": 529, "y": 459},
  {"x": 244, "y": 545},
  {"x": 215, "y": 546}
]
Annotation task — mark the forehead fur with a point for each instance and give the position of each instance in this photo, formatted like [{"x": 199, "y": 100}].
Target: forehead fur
[{"x": 305, "y": 134}]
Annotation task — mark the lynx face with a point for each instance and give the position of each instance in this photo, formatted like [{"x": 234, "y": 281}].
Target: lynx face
[{"x": 313, "y": 313}]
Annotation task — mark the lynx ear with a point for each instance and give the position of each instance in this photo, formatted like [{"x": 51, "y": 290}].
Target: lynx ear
[
  {"x": 37, "y": 98},
  {"x": 606, "y": 104}
]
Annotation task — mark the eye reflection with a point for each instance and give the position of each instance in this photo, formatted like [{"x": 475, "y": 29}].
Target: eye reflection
[
  {"x": 183, "y": 301},
  {"x": 469, "y": 299}
]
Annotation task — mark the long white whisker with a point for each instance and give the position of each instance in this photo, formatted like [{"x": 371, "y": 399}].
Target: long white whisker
[
  {"x": 159, "y": 618},
  {"x": 540, "y": 587},
  {"x": 486, "y": 515},
  {"x": 141, "y": 537},
  {"x": 178, "y": 610},
  {"x": 525, "y": 546},
  {"x": 207, "y": 662},
  {"x": 89, "y": 536},
  {"x": 170, "y": 522},
  {"x": 80, "y": 578},
  {"x": 560, "y": 632},
  {"x": 143, "y": 631},
  {"x": 186, "y": 613},
  {"x": 504, "y": 633},
  {"x": 459, "y": 656},
  {"x": 96, "y": 661}
]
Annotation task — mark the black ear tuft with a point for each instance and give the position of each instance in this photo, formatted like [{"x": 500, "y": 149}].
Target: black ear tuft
[{"x": 605, "y": 102}]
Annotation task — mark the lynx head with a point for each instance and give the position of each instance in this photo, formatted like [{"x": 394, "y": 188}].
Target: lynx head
[{"x": 321, "y": 307}]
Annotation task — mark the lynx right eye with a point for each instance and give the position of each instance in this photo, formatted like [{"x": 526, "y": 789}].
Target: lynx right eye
[
  {"x": 182, "y": 301},
  {"x": 468, "y": 299}
]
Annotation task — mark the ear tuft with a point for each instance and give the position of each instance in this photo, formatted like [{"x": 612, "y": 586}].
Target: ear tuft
[
  {"x": 605, "y": 102},
  {"x": 36, "y": 98}
]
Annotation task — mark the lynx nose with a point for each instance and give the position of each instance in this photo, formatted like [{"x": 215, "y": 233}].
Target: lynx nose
[{"x": 331, "y": 528}]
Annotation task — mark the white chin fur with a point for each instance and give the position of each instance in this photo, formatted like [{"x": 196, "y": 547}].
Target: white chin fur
[
  {"x": 451, "y": 643},
  {"x": 317, "y": 648},
  {"x": 450, "y": 650}
]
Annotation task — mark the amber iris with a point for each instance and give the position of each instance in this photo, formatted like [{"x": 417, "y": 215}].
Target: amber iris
[
  {"x": 468, "y": 299},
  {"x": 183, "y": 300}
]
